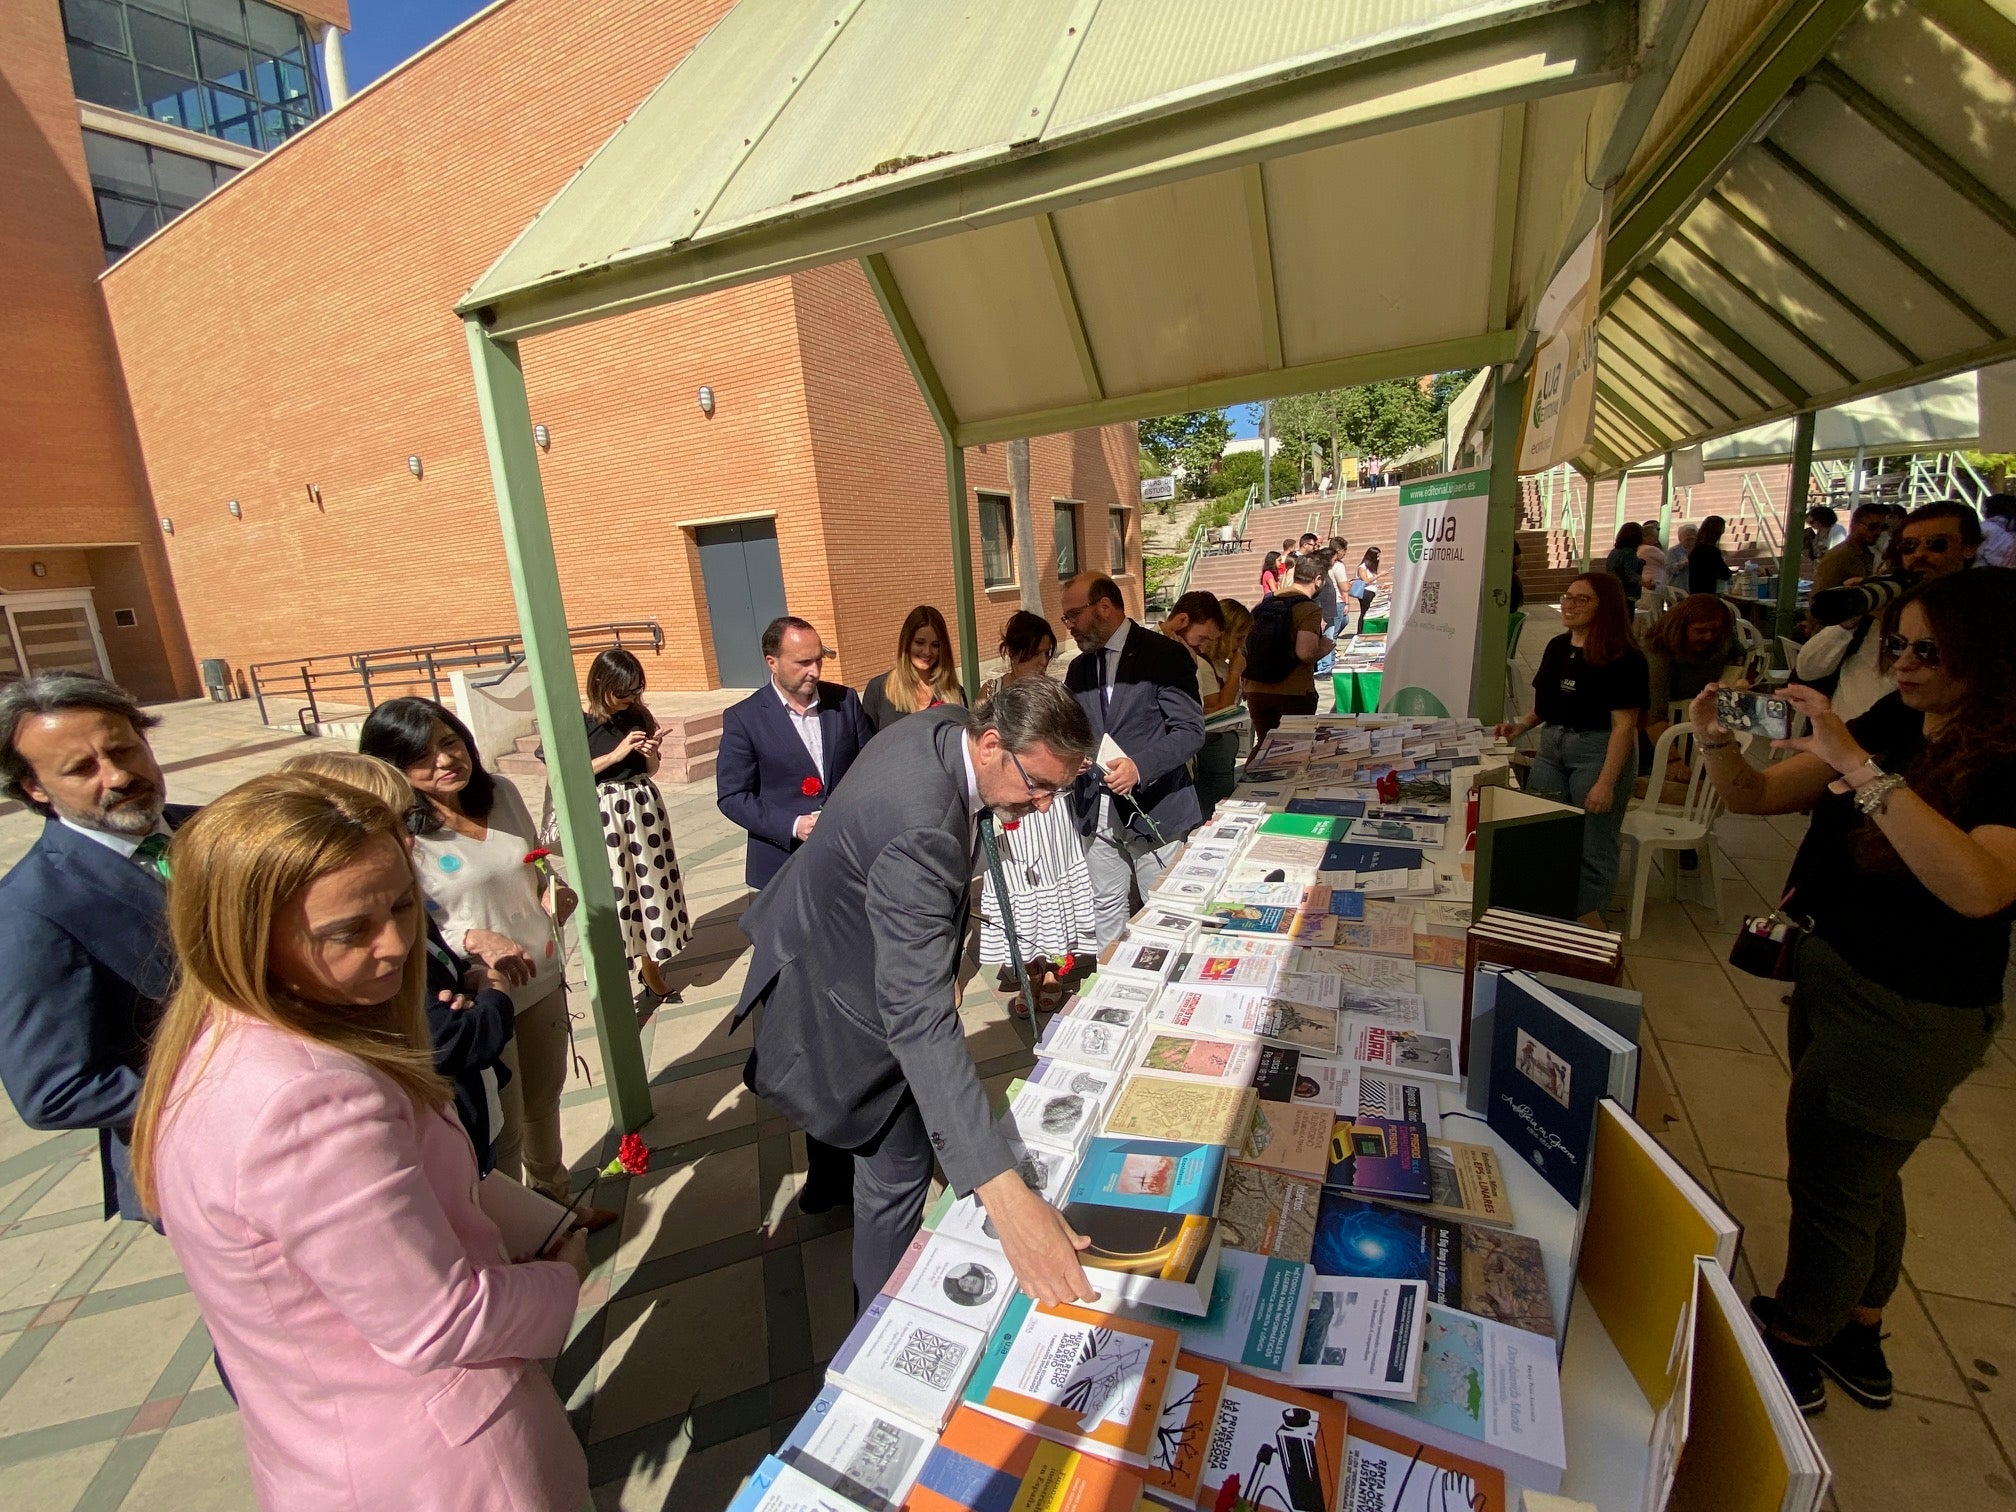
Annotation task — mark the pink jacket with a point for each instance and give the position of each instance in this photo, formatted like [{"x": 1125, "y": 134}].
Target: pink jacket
[{"x": 383, "y": 1351}]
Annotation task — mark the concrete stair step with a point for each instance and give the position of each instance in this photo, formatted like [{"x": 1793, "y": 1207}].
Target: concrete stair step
[{"x": 520, "y": 764}]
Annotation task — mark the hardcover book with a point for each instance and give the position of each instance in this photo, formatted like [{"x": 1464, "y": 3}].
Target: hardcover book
[
  {"x": 862, "y": 1451},
  {"x": 1275, "y": 1447},
  {"x": 905, "y": 1359},
  {"x": 1529, "y": 853},
  {"x": 1254, "y": 1321},
  {"x": 1551, "y": 1064},
  {"x": 1087, "y": 1380},
  {"x": 983, "y": 1464}
]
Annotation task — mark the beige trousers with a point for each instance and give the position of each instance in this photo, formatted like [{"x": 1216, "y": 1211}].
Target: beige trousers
[{"x": 528, "y": 1146}]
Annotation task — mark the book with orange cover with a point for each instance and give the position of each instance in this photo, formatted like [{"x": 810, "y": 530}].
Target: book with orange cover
[
  {"x": 1183, "y": 1432},
  {"x": 982, "y": 1463},
  {"x": 1275, "y": 1446},
  {"x": 1389, "y": 1472},
  {"x": 1088, "y": 1380}
]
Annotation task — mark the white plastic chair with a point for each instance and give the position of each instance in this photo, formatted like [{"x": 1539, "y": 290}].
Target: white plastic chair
[{"x": 1652, "y": 826}]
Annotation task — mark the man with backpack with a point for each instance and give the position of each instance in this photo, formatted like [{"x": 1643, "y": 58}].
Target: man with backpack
[{"x": 1282, "y": 650}]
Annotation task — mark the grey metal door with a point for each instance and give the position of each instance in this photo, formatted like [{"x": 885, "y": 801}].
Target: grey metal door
[{"x": 744, "y": 578}]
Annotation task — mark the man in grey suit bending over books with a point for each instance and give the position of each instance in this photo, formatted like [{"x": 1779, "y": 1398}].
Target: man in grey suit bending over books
[{"x": 859, "y": 940}]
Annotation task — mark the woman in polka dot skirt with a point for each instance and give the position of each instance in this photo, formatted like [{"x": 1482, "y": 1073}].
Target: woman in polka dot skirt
[{"x": 623, "y": 749}]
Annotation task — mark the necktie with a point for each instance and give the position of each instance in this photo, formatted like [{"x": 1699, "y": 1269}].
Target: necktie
[
  {"x": 152, "y": 854},
  {"x": 993, "y": 853},
  {"x": 1105, "y": 699}
]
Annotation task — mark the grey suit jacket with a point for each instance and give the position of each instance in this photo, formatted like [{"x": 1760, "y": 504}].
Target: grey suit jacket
[{"x": 858, "y": 943}]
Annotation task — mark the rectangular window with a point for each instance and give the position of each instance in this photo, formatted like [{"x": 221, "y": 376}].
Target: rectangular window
[
  {"x": 273, "y": 30},
  {"x": 102, "y": 78},
  {"x": 140, "y": 188},
  {"x": 1116, "y": 540},
  {"x": 224, "y": 17},
  {"x": 170, "y": 98},
  {"x": 1067, "y": 540},
  {"x": 997, "y": 541},
  {"x": 160, "y": 43},
  {"x": 97, "y": 21}
]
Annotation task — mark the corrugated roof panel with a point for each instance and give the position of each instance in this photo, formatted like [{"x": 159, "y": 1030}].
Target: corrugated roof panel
[
  {"x": 1725, "y": 30},
  {"x": 902, "y": 84},
  {"x": 1334, "y": 215},
  {"x": 1687, "y": 373},
  {"x": 1165, "y": 283},
  {"x": 1698, "y": 335},
  {"x": 1142, "y": 50},
  {"x": 1007, "y": 351},
  {"x": 1950, "y": 236},
  {"x": 1929, "y": 79},
  {"x": 1669, "y": 389},
  {"x": 1905, "y": 305},
  {"x": 1558, "y": 134},
  {"x": 1709, "y": 284}
]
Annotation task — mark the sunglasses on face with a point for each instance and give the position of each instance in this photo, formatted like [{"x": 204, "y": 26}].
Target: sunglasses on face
[{"x": 1924, "y": 652}]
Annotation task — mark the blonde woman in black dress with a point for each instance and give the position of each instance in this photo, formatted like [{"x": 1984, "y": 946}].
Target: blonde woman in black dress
[{"x": 623, "y": 751}]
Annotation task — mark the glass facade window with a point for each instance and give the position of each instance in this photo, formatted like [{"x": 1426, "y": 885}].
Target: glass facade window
[
  {"x": 238, "y": 70},
  {"x": 1116, "y": 540},
  {"x": 997, "y": 541},
  {"x": 139, "y": 189},
  {"x": 1067, "y": 540}
]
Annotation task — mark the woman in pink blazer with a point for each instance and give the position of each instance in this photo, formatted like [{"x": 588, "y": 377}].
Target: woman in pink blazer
[{"x": 308, "y": 1168}]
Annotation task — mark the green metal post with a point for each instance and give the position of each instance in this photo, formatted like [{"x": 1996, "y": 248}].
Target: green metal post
[
  {"x": 962, "y": 569},
  {"x": 542, "y": 619},
  {"x": 1589, "y": 524},
  {"x": 1494, "y": 610},
  {"x": 1623, "y": 483},
  {"x": 1795, "y": 523},
  {"x": 1666, "y": 505}
]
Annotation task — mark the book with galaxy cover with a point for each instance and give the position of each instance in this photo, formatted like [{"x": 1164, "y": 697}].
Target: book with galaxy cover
[{"x": 1488, "y": 1272}]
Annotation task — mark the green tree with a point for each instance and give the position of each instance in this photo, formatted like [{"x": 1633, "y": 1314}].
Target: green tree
[
  {"x": 1190, "y": 443},
  {"x": 1241, "y": 471}
]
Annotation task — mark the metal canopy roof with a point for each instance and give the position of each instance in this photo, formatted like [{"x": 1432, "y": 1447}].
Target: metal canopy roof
[
  {"x": 1078, "y": 211},
  {"x": 1837, "y": 222}
]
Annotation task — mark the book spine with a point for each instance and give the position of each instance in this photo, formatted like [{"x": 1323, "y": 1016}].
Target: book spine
[{"x": 995, "y": 1355}]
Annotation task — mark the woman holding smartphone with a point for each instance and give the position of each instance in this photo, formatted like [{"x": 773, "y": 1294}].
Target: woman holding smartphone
[
  {"x": 1907, "y": 879},
  {"x": 1587, "y": 699}
]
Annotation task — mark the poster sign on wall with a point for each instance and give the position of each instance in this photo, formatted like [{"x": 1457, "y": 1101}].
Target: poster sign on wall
[
  {"x": 1438, "y": 577},
  {"x": 1560, "y": 415}
]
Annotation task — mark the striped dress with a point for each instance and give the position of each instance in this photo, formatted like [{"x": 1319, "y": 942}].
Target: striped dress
[{"x": 1049, "y": 889}]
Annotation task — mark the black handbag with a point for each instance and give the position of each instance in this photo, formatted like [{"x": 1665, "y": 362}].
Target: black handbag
[{"x": 1768, "y": 944}]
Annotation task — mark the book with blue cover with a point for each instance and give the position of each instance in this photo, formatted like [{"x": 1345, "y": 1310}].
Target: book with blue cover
[
  {"x": 1550, "y": 1065},
  {"x": 1345, "y": 904},
  {"x": 1382, "y": 1156},
  {"x": 1484, "y": 1271},
  {"x": 1348, "y": 856},
  {"x": 1337, "y": 808},
  {"x": 1159, "y": 1175}
]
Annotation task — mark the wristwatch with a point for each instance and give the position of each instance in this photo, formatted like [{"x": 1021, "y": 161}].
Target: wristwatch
[{"x": 1873, "y": 797}]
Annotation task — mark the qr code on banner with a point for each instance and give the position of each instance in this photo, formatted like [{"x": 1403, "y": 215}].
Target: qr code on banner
[
  {"x": 928, "y": 1358},
  {"x": 1430, "y": 600}
]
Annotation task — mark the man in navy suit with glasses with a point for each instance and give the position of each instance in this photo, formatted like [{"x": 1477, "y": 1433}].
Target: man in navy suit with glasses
[
  {"x": 83, "y": 914},
  {"x": 784, "y": 749}
]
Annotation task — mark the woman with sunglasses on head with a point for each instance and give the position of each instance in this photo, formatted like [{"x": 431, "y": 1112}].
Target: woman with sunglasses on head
[
  {"x": 1907, "y": 880},
  {"x": 926, "y": 673},
  {"x": 1587, "y": 699},
  {"x": 1042, "y": 858}
]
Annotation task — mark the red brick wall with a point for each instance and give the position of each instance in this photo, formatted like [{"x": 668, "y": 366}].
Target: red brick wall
[{"x": 71, "y": 474}]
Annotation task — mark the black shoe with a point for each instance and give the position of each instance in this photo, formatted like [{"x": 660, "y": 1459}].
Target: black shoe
[
  {"x": 1854, "y": 1357},
  {"x": 1797, "y": 1363},
  {"x": 816, "y": 1197}
]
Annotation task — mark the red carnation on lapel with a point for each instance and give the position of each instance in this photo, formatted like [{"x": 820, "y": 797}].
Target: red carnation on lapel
[
  {"x": 811, "y": 787},
  {"x": 1009, "y": 824}
]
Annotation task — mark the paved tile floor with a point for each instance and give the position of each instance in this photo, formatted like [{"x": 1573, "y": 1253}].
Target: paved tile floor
[{"x": 713, "y": 1307}]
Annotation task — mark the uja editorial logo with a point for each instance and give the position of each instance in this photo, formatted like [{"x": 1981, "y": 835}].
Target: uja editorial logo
[{"x": 1414, "y": 547}]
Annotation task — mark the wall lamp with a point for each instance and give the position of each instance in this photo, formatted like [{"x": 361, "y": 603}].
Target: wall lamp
[
  {"x": 315, "y": 495},
  {"x": 237, "y": 510},
  {"x": 167, "y": 526},
  {"x": 707, "y": 401},
  {"x": 413, "y": 467},
  {"x": 542, "y": 438}
]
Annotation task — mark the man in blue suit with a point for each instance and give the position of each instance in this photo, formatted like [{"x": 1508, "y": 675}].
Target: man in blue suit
[
  {"x": 785, "y": 748},
  {"x": 1140, "y": 689},
  {"x": 82, "y": 916}
]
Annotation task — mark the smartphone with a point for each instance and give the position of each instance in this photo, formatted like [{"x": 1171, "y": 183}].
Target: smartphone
[{"x": 1754, "y": 714}]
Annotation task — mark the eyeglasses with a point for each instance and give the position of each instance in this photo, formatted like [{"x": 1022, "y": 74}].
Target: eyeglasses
[
  {"x": 1071, "y": 616},
  {"x": 1934, "y": 544},
  {"x": 1924, "y": 652},
  {"x": 1037, "y": 790},
  {"x": 1578, "y": 598}
]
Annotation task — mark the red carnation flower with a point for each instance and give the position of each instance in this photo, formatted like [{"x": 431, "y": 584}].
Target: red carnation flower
[
  {"x": 1009, "y": 824},
  {"x": 534, "y": 857},
  {"x": 633, "y": 1157},
  {"x": 811, "y": 787}
]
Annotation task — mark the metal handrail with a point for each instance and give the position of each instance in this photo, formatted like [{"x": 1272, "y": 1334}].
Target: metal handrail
[
  {"x": 394, "y": 671},
  {"x": 1197, "y": 543}
]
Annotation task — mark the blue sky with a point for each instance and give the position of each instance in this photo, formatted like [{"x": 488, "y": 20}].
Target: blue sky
[{"x": 385, "y": 33}]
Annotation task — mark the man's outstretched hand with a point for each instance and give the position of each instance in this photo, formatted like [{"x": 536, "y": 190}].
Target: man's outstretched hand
[{"x": 1040, "y": 1246}]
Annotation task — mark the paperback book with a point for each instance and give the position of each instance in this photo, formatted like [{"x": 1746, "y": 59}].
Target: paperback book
[
  {"x": 1487, "y": 1272},
  {"x": 1050, "y": 1118},
  {"x": 1412, "y": 1052},
  {"x": 948, "y": 1276},
  {"x": 983, "y": 1464},
  {"x": 777, "y": 1487},
  {"x": 1283, "y": 1075},
  {"x": 1172, "y": 1108},
  {"x": 905, "y": 1359},
  {"x": 1275, "y": 1447},
  {"x": 1254, "y": 1321},
  {"x": 1097, "y": 1037},
  {"x": 1379, "y": 1156},
  {"x": 1291, "y": 1137},
  {"x": 1362, "y": 1335},
  {"x": 1087, "y": 1380},
  {"x": 1183, "y": 1429},
  {"x": 1219, "y": 1059},
  {"x": 1267, "y": 1212},
  {"x": 1150, "y": 1174},
  {"x": 1393, "y": 1472},
  {"x": 866, "y": 1453}
]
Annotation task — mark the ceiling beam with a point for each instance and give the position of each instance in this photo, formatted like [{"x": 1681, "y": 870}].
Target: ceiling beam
[
  {"x": 1914, "y": 144},
  {"x": 1979, "y": 27},
  {"x": 1505, "y": 216},
  {"x": 1067, "y": 301},
  {"x": 1262, "y": 242},
  {"x": 1662, "y": 439},
  {"x": 1670, "y": 289},
  {"x": 1811, "y": 274},
  {"x": 1629, "y": 376},
  {"x": 1833, "y": 200},
  {"x": 1742, "y": 105},
  {"x": 1247, "y": 388},
  {"x": 1769, "y": 310},
  {"x": 1634, "y": 301},
  {"x": 1668, "y": 376},
  {"x": 897, "y": 312}
]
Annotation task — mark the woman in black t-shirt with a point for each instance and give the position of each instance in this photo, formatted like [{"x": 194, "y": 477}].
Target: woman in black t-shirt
[
  {"x": 1908, "y": 878},
  {"x": 1707, "y": 568},
  {"x": 623, "y": 750},
  {"x": 1588, "y": 694},
  {"x": 1623, "y": 563}
]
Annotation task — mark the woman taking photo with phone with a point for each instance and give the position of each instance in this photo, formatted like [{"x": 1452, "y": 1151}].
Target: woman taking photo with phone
[
  {"x": 926, "y": 673},
  {"x": 1587, "y": 697},
  {"x": 1907, "y": 879},
  {"x": 303, "y": 1155}
]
